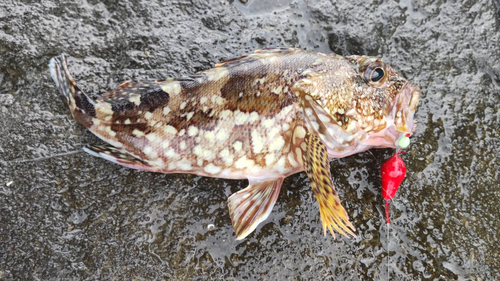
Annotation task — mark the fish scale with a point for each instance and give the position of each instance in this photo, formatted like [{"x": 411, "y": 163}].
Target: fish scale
[{"x": 261, "y": 117}]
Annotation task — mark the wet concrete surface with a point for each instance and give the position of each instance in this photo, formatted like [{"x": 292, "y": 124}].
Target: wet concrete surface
[{"x": 65, "y": 215}]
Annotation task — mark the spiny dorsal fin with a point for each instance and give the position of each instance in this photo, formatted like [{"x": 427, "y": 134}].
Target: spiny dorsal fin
[
  {"x": 252, "y": 205},
  {"x": 258, "y": 54},
  {"x": 281, "y": 50}
]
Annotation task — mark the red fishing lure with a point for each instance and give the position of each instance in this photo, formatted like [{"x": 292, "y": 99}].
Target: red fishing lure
[{"x": 393, "y": 172}]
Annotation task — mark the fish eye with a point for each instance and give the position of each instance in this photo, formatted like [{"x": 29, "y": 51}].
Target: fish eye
[{"x": 375, "y": 74}]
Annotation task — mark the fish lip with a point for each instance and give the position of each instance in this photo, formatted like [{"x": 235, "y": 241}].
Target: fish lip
[
  {"x": 414, "y": 92},
  {"x": 406, "y": 103}
]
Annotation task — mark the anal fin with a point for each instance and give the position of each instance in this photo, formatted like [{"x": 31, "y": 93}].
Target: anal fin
[
  {"x": 119, "y": 156},
  {"x": 252, "y": 205}
]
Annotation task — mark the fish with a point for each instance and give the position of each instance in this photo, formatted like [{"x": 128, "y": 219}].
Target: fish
[{"x": 261, "y": 117}]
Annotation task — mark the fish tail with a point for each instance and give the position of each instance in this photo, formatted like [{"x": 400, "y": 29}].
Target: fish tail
[{"x": 81, "y": 106}]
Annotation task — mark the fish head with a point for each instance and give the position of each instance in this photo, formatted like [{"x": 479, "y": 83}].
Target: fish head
[
  {"x": 358, "y": 102},
  {"x": 385, "y": 102}
]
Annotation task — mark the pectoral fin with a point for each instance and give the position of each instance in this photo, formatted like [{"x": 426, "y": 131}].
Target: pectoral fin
[
  {"x": 317, "y": 167},
  {"x": 252, "y": 205},
  {"x": 118, "y": 156}
]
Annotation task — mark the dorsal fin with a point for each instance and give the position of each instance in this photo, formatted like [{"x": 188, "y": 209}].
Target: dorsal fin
[
  {"x": 282, "y": 50},
  {"x": 258, "y": 54}
]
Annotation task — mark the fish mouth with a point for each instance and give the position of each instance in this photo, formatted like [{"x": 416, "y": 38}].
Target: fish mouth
[
  {"x": 402, "y": 114},
  {"x": 400, "y": 123}
]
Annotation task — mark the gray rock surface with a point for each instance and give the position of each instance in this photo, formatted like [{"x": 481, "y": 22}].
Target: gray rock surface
[{"x": 65, "y": 215}]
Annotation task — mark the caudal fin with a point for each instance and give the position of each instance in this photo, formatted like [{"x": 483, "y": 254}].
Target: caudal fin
[{"x": 80, "y": 105}]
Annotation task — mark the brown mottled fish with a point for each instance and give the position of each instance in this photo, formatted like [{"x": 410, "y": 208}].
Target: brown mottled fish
[{"x": 260, "y": 117}]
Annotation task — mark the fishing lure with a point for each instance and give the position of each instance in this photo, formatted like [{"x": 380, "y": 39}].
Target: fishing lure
[{"x": 393, "y": 172}]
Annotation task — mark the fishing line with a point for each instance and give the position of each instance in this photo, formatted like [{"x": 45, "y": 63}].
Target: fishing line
[
  {"x": 42, "y": 158},
  {"x": 388, "y": 259}
]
